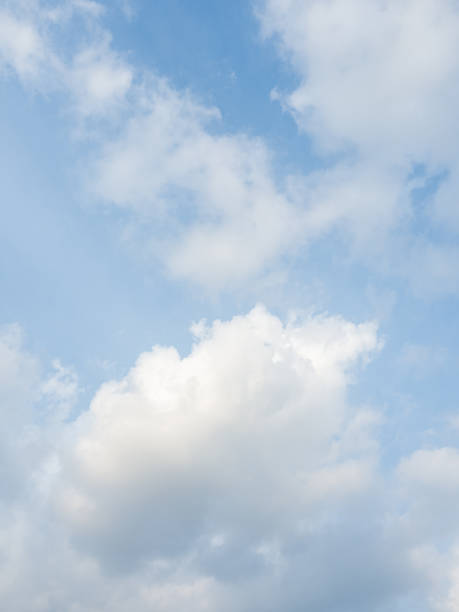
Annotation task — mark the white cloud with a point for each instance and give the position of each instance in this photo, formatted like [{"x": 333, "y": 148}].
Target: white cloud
[
  {"x": 437, "y": 469},
  {"x": 94, "y": 77},
  {"x": 237, "y": 477},
  {"x": 429, "y": 486},
  {"x": 99, "y": 79},
  {"x": 19, "y": 383},
  {"x": 28, "y": 404},
  {"x": 206, "y": 199},
  {"x": 430, "y": 480},
  {"x": 240, "y": 476},
  {"x": 356, "y": 198},
  {"x": 378, "y": 84},
  {"x": 62, "y": 12},
  {"x": 215, "y": 211},
  {"x": 18, "y": 371},
  {"x": 185, "y": 448},
  {"x": 217, "y": 216},
  {"x": 379, "y": 75},
  {"x": 22, "y": 49},
  {"x": 60, "y": 392},
  {"x": 201, "y": 467}
]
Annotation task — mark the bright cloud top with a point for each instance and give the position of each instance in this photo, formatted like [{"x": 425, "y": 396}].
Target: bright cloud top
[
  {"x": 226, "y": 442},
  {"x": 234, "y": 477}
]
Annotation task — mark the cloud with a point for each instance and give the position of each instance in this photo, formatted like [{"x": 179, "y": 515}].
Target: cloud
[
  {"x": 207, "y": 199},
  {"x": 429, "y": 485},
  {"x": 241, "y": 475},
  {"x": 29, "y": 405},
  {"x": 430, "y": 480},
  {"x": 188, "y": 481},
  {"x": 377, "y": 75},
  {"x": 207, "y": 203},
  {"x": 183, "y": 450},
  {"x": 378, "y": 86},
  {"x": 238, "y": 476},
  {"x": 436, "y": 469},
  {"x": 354, "y": 198},
  {"x": 203, "y": 201},
  {"x": 98, "y": 79},
  {"x": 210, "y": 199},
  {"x": 94, "y": 78},
  {"x": 22, "y": 49},
  {"x": 60, "y": 391},
  {"x": 19, "y": 383}
]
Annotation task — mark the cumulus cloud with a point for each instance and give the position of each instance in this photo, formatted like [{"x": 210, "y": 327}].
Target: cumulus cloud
[
  {"x": 210, "y": 199},
  {"x": 238, "y": 476},
  {"x": 378, "y": 75},
  {"x": 193, "y": 476},
  {"x": 213, "y": 210},
  {"x": 222, "y": 447},
  {"x": 206, "y": 201},
  {"x": 378, "y": 85}
]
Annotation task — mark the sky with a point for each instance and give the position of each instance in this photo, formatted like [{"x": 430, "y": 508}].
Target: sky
[{"x": 229, "y": 273}]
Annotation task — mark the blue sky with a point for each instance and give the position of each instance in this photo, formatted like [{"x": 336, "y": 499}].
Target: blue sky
[{"x": 228, "y": 325}]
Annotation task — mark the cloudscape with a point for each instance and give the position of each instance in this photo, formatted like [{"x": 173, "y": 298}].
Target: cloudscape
[{"x": 229, "y": 306}]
